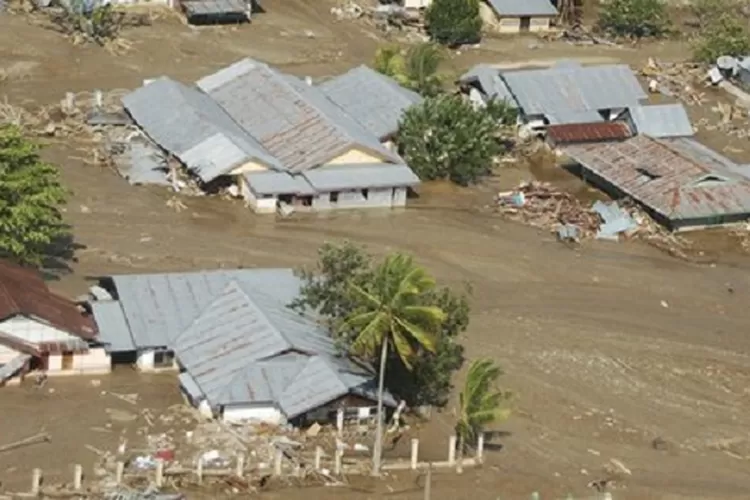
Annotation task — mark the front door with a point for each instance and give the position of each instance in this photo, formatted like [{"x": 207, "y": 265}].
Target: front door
[{"x": 525, "y": 24}]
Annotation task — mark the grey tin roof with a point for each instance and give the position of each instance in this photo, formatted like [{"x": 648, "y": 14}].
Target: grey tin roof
[
  {"x": 566, "y": 89},
  {"x": 213, "y": 7},
  {"x": 13, "y": 366},
  {"x": 567, "y": 117},
  {"x": 519, "y": 8},
  {"x": 278, "y": 183},
  {"x": 142, "y": 163},
  {"x": 247, "y": 347},
  {"x": 374, "y": 176},
  {"x": 294, "y": 121},
  {"x": 489, "y": 82},
  {"x": 662, "y": 120},
  {"x": 114, "y": 332},
  {"x": 374, "y": 100},
  {"x": 190, "y": 125}
]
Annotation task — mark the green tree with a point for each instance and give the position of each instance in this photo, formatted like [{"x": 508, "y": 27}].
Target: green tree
[
  {"x": 30, "y": 200},
  {"x": 415, "y": 68},
  {"x": 446, "y": 138},
  {"x": 390, "y": 315},
  {"x": 324, "y": 289},
  {"x": 707, "y": 12},
  {"x": 454, "y": 22},
  {"x": 635, "y": 18},
  {"x": 725, "y": 36},
  {"x": 480, "y": 403},
  {"x": 502, "y": 111}
]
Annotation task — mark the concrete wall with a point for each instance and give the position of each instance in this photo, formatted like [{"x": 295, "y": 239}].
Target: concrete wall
[
  {"x": 95, "y": 362},
  {"x": 539, "y": 24},
  {"x": 267, "y": 414},
  {"x": 376, "y": 198},
  {"x": 145, "y": 362},
  {"x": 265, "y": 205},
  {"x": 512, "y": 25},
  {"x": 251, "y": 166},
  {"x": 417, "y": 4}
]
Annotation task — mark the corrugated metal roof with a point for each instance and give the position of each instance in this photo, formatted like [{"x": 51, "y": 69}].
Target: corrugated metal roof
[
  {"x": 673, "y": 183},
  {"x": 114, "y": 332},
  {"x": 662, "y": 120},
  {"x": 13, "y": 366},
  {"x": 188, "y": 385},
  {"x": 278, "y": 183},
  {"x": 522, "y": 8},
  {"x": 214, "y": 7},
  {"x": 374, "y": 176},
  {"x": 588, "y": 132},
  {"x": 294, "y": 121},
  {"x": 490, "y": 83},
  {"x": 372, "y": 99},
  {"x": 568, "y": 117},
  {"x": 190, "y": 125},
  {"x": 559, "y": 90},
  {"x": 142, "y": 163}
]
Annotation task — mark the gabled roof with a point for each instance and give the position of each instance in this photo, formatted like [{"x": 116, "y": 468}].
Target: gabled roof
[
  {"x": 566, "y": 89},
  {"x": 490, "y": 83},
  {"x": 191, "y": 126},
  {"x": 294, "y": 121},
  {"x": 374, "y": 100},
  {"x": 662, "y": 120},
  {"x": 24, "y": 293},
  {"x": 522, "y": 8}
]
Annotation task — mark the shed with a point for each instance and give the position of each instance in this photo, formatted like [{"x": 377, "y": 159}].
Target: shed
[
  {"x": 217, "y": 11},
  {"x": 519, "y": 16}
]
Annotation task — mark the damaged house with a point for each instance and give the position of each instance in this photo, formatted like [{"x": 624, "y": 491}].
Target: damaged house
[
  {"x": 42, "y": 331},
  {"x": 283, "y": 142},
  {"x": 238, "y": 348}
]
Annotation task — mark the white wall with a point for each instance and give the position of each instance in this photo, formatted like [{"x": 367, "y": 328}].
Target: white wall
[
  {"x": 34, "y": 331},
  {"x": 267, "y": 414},
  {"x": 145, "y": 362},
  {"x": 95, "y": 362},
  {"x": 259, "y": 205}
]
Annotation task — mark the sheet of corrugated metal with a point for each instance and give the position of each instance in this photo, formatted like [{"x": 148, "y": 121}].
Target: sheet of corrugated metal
[
  {"x": 374, "y": 176},
  {"x": 588, "y": 132},
  {"x": 113, "y": 327},
  {"x": 523, "y": 8},
  {"x": 662, "y": 120}
]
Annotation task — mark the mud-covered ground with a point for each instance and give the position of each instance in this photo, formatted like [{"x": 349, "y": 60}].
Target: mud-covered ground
[{"x": 607, "y": 347}]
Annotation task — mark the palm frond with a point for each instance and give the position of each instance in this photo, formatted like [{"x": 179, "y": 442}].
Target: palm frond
[{"x": 372, "y": 335}]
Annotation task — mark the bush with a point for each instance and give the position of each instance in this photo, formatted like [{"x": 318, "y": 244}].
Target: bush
[
  {"x": 707, "y": 12},
  {"x": 454, "y": 22},
  {"x": 635, "y": 18},
  {"x": 446, "y": 138},
  {"x": 725, "y": 36},
  {"x": 502, "y": 112},
  {"x": 415, "y": 69}
]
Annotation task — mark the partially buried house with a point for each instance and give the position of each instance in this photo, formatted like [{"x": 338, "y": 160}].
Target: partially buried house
[
  {"x": 282, "y": 141},
  {"x": 41, "y": 331},
  {"x": 238, "y": 349}
]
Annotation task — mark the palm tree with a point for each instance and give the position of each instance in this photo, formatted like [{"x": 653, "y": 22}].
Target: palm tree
[
  {"x": 415, "y": 69},
  {"x": 391, "y": 315},
  {"x": 480, "y": 404}
]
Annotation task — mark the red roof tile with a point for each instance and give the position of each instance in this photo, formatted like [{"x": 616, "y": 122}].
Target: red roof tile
[{"x": 588, "y": 132}]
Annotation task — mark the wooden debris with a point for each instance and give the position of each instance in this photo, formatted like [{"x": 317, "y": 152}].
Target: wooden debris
[{"x": 42, "y": 437}]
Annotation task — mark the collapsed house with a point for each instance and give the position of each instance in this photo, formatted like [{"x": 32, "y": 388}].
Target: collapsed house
[
  {"x": 239, "y": 350},
  {"x": 41, "y": 331},
  {"x": 283, "y": 143}
]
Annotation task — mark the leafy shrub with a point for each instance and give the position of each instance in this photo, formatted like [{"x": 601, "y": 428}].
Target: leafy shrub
[
  {"x": 635, "y": 18},
  {"x": 454, "y": 22}
]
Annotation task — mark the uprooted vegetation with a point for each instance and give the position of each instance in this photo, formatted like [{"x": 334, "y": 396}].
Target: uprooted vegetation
[{"x": 85, "y": 22}]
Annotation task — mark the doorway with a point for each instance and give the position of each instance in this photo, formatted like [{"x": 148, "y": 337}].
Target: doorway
[
  {"x": 525, "y": 24},
  {"x": 67, "y": 361}
]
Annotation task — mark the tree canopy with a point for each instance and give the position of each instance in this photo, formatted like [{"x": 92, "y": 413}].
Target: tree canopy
[
  {"x": 326, "y": 289},
  {"x": 30, "y": 200},
  {"x": 723, "y": 35},
  {"x": 415, "y": 68},
  {"x": 454, "y": 22},
  {"x": 445, "y": 137},
  {"x": 635, "y": 18}
]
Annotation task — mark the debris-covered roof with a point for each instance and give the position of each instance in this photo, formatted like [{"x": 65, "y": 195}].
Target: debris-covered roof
[
  {"x": 662, "y": 120},
  {"x": 489, "y": 82},
  {"x": 190, "y": 125},
  {"x": 374, "y": 100},
  {"x": 665, "y": 178},
  {"x": 565, "y": 89},
  {"x": 294, "y": 121},
  {"x": 22, "y": 294},
  {"x": 588, "y": 132},
  {"x": 522, "y": 8},
  {"x": 361, "y": 176}
]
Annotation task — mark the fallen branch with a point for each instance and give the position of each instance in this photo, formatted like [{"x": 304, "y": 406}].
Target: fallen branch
[{"x": 37, "y": 438}]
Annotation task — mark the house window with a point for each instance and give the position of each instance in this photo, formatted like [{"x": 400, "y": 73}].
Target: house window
[
  {"x": 67, "y": 361},
  {"x": 334, "y": 197},
  {"x": 365, "y": 192},
  {"x": 163, "y": 359}
]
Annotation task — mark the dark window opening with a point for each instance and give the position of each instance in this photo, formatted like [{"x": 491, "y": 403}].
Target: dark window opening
[
  {"x": 648, "y": 173},
  {"x": 286, "y": 198},
  {"x": 365, "y": 192},
  {"x": 163, "y": 359},
  {"x": 305, "y": 201},
  {"x": 334, "y": 197}
]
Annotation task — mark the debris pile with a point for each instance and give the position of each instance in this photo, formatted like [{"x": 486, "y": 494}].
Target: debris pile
[{"x": 678, "y": 80}]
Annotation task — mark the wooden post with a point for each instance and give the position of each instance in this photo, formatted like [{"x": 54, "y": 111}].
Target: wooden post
[
  {"x": 199, "y": 470},
  {"x": 318, "y": 457},
  {"x": 337, "y": 463},
  {"x": 480, "y": 447},
  {"x": 428, "y": 482},
  {"x": 159, "y": 481},
  {"x": 240, "y": 471},
  {"x": 414, "y": 452},
  {"x": 77, "y": 477},
  {"x": 277, "y": 456},
  {"x": 36, "y": 481},
  {"x": 119, "y": 472},
  {"x": 452, "y": 451},
  {"x": 340, "y": 421}
]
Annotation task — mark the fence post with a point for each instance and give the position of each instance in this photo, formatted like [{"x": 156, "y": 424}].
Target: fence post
[
  {"x": 119, "y": 472},
  {"x": 480, "y": 447},
  {"x": 337, "y": 462},
  {"x": 159, "y": 481},
  {"x": 340, "y": 421},
  {"x": 277, "y": 461},
  {"x": 452, "y": 451},
  {"x": 428, "y": 482},
  {"x": 240, "y": 465},
  {"x": 77, "y": 477},
  {"x": 199, "y": 470},
  {"x": 36, "y": 481},
  {"x": 318, "y": 457},
  {"x": 414, "y": 452}
]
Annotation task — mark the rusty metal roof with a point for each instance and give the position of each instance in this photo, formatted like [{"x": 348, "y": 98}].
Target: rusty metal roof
[
  {"x": 588, "y": 132},
  {"x": 669, "y": 181},
  {"x": 23, "y": 292}
]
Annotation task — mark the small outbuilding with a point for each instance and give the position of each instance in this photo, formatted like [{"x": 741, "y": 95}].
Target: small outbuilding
[{"x": 520, "y": 16}]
